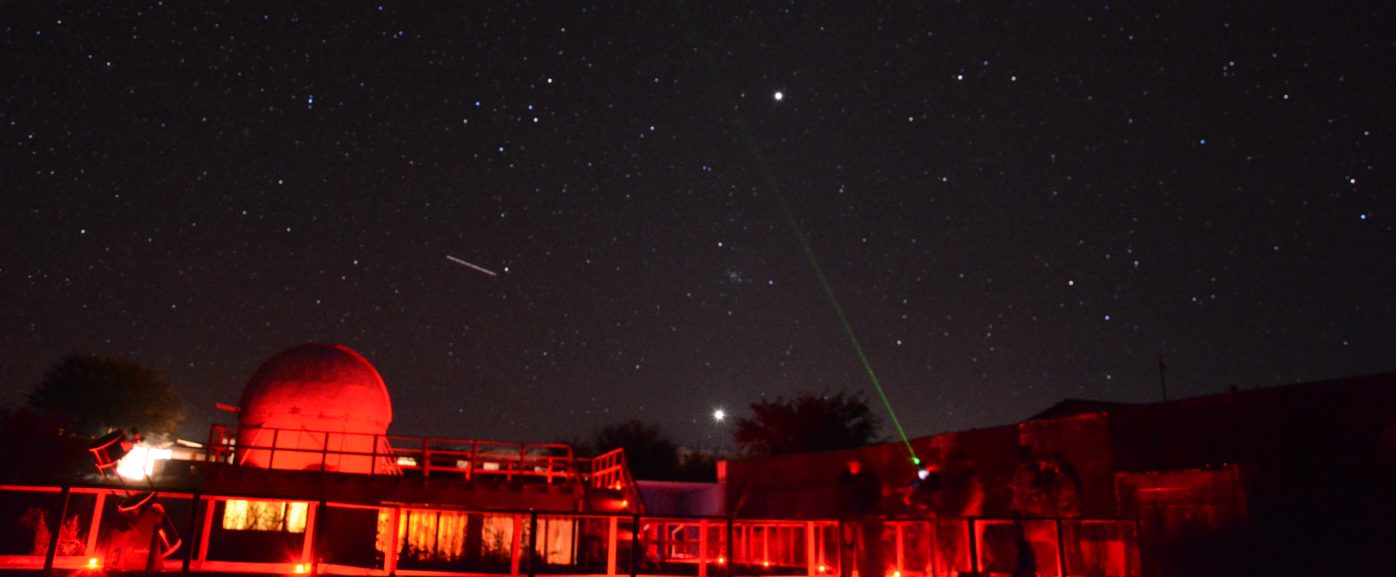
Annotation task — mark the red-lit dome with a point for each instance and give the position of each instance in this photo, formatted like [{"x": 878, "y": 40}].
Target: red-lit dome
[{"x": 317, "y": 387}]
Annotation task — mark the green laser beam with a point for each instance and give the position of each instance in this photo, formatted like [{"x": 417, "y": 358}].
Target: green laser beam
[
  {"x": 824, "y": 286},
  {"x": 759, "y": 163}
]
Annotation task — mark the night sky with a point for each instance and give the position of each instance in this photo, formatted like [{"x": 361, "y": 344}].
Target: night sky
[{"x": 1014, "y": 202}]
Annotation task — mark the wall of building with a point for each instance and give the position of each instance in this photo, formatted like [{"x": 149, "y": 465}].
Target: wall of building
[{"x": 1292, "y": 479}]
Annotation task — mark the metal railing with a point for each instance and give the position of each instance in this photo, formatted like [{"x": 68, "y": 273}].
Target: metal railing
[
  {"x": 350, "y": 539},
  {"x": 609, "y": 471},
  {"x": 401, "y": 454}
]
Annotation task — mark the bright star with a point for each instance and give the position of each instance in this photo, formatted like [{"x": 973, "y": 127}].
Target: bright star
[
  {"x": 779, "y": 96},
  {"x": 719, "y": 415}
]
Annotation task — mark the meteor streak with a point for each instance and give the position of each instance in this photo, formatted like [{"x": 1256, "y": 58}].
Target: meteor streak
[{"x": 471, "y": 265}]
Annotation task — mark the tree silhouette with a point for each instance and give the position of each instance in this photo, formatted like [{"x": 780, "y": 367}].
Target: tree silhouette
[
  {"x": 808, "y": 422},
  {"x": 649, "y": 451},
  {"x": 95, "y": 394}
]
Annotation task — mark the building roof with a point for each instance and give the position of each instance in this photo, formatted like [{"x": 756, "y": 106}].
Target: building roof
[
  {"x": 322, "y": 387},
  {"x": 1073, "y": 407}
]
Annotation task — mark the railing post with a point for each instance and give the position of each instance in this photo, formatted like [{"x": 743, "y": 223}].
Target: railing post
[
  {"x": 57, "y": 529},
  {"x": 1061, "y": 550},
  {"x": 731, "y": 559},
  {"x": 839, "y": 537},
  {"x": 390, "y": 558},
  {"x": 702, "y": 548},
  {"x": 426, "y": 459},
  {"x": 516, "y": 548},
  {"x": 308, "y": 540},
  {"x": 766, "y": 544},
  {"x": 96, "y": 527},
  {"x": 193, "y": 533},
  {"x": 532, "y": 543},
  {"x": 899, "y": 530},
  {"x": 204, "y": 531},
  {"x": 973, "y": 547},
  {"x": 635, "y": 552},
  {"x": 373, "y": 463},
  {"x": 612, "y": 543},
  {"x": 821, "y": 545},
  {"x": 474, "y": 459},
  {"x": 810, "y": 563}
]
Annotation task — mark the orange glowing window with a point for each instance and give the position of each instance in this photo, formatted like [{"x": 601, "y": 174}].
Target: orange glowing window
[
  {"x": 429, "y": 535},
  {"x": 242, "y": 515}
]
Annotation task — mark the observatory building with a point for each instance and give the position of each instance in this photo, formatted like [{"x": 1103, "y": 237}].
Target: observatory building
[
  {"x": 313, "y": 422},
  {"x": 316, "y": 407}
]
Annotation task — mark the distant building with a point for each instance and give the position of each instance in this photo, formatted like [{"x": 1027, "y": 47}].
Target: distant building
[{"x": 1289, "y": 480}]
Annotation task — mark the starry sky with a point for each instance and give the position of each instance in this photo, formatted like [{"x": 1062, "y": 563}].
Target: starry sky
[{"x": 1014, "y": 202}]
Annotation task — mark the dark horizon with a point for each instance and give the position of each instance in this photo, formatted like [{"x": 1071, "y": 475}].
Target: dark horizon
[{"x": 1015, "y": 203}]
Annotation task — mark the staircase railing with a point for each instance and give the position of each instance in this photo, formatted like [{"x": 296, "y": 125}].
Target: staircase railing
[{"x": 609, "y": 471}]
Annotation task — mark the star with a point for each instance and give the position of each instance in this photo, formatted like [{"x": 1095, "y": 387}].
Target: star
[{"x": 615, "y": 238}]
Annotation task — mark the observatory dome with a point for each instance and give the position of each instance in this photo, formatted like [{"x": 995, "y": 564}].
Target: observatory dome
[{"x": 317, "y": 387}]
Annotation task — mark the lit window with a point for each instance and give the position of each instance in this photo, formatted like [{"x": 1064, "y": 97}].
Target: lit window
[{"x": 242, "y": 515}]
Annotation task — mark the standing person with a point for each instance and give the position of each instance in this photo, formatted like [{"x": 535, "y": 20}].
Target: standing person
[
  {"x": 922, "y": 497},
  {"x": 857, "y": 492},
  {"x": 922, "y": 500}
]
